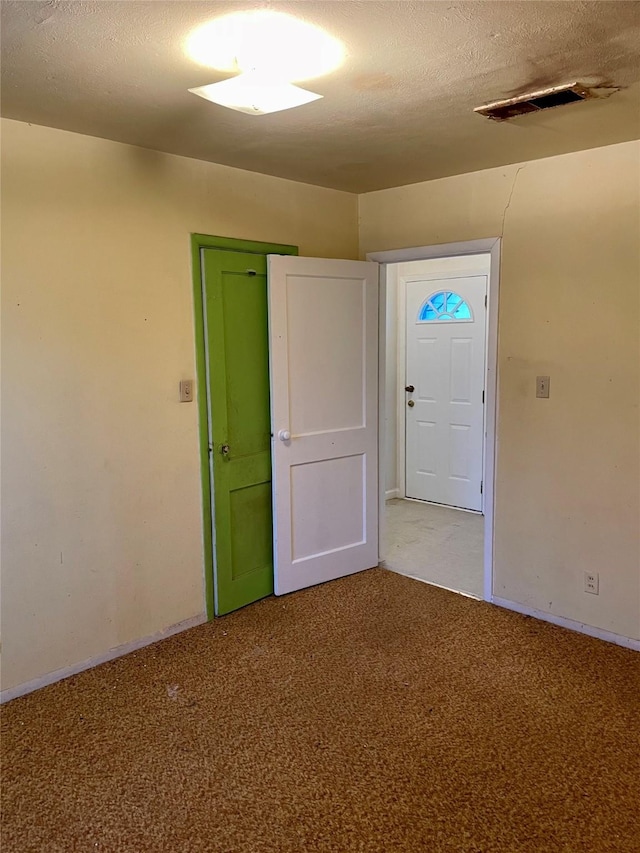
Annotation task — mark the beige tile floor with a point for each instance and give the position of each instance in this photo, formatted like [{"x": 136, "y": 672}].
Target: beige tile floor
[{"x": 436, "y": 544}]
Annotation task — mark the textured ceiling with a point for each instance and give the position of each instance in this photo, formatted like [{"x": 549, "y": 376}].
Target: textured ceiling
[{"x": 400, "y": 109}]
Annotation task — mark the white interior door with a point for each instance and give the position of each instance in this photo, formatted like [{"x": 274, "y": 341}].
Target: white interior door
[
  {"x": 445, "y": 368},
  {"x": 323, "y": 327}
]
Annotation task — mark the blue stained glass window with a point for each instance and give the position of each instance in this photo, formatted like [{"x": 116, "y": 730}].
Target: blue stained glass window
[
  {"x": 444, "y": 305},
  {"x": 462, "y": 312},
  {"x": 428, "y": 312},
  {"x": 453, "y": 300},
  {"x": 438, "y": 300}
]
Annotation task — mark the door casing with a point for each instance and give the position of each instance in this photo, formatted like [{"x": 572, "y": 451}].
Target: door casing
[
  {"x": 199, "y": 242},
  {"x": 491, "y": 246}
]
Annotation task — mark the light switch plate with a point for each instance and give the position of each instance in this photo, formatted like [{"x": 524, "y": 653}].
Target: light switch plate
[
  {"x": 542, "y": 387},
  {"x": 186, "y": 390}
]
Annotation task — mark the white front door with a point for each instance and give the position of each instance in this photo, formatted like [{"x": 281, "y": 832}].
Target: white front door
[
  {"x": 323, "y": 327},
  {"x": 445, "y": 366}
]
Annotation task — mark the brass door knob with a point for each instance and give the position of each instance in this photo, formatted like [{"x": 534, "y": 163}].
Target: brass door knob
[{"x": 411, "y": 403}]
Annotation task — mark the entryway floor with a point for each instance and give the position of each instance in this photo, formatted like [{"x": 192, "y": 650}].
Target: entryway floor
[{"x": 440, "y": 545}]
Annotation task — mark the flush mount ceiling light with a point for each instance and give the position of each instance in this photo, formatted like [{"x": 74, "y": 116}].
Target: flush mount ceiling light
[
  {"x": 268, "y": 50},
  {"x": 271, "y": 43},
  {"x": 255, "y": 95}
]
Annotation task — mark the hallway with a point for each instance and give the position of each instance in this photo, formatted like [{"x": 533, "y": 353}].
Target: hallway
[{"x": 437, "y": 544}]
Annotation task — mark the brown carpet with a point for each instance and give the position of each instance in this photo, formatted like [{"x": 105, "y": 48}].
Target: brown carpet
[{"x": 374, "y": 713}]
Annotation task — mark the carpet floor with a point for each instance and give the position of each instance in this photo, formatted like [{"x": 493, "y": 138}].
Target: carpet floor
[{"x": 373, "y": 714}]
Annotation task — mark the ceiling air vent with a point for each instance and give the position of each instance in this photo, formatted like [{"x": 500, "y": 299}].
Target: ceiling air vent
[{"x": 545, "y": 99}]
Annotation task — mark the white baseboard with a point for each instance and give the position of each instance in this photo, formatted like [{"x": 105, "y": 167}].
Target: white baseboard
[
  {"x": 118, "y": 651},
  {"x": 391, "y": 493},
  {"x": 571, "y": 624}
]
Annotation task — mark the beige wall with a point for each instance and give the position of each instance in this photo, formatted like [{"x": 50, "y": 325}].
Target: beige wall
[
  {"x": 568, "y": 471},
  {"x": 102, "y": 539}
]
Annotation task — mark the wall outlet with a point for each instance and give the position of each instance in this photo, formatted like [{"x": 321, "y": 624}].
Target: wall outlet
[
  {"x": 591, "y": 583},
  {"x": 186, "y": 391}
]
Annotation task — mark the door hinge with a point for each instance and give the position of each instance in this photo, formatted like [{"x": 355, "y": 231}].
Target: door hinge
[
  {"x": 485, "y": 300},
  {"x": 481, "y": 486},
  {"x": 483, "y": 398}
]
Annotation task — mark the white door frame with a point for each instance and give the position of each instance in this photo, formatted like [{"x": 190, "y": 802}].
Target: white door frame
[{"x": 491, "y": 246}]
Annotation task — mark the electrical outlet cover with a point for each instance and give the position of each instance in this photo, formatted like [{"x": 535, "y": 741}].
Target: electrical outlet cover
[{"x": 591, "y": 583}]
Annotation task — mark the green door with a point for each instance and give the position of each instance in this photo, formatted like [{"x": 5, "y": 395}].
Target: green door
[{"x": 237, "y": 355}]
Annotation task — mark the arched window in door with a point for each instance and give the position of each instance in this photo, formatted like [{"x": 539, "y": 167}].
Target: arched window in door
[{"x": 444, "y": 305}]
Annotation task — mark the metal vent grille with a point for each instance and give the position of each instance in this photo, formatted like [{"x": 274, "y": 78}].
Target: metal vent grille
[{"x": 534, "y": 102}]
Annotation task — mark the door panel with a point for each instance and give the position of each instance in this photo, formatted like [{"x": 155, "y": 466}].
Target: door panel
[
  {"x": 460, "y": 370},
  {"x": 445, "y": 361},
  {"x": 324, "y": 327},
  {"x": 427, "y": 449},
  {"x": 323, "y": 318},
  {"x": 238, "y": 379},
  {"x": 324, "y": 526}
]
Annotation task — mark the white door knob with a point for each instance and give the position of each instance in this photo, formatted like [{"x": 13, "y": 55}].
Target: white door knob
[{"x": 284, "y": 435}]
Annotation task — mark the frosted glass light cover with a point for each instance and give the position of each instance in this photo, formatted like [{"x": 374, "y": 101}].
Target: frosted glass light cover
[{"x": 253, "y": 95}]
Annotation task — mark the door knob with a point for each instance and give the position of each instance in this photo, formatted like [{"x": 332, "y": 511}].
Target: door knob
[
  {"x": 411, "y": 403},
  {"x": 409, "y": 388},
  {"x": 225, "y": 450},
  {"x": 284, "y": 435}
]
